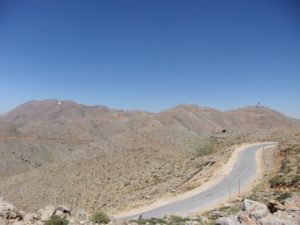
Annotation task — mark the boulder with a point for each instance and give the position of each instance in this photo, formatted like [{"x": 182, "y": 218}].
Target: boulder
[
  {"x": 274, "y": 206},
  {"x": 227, "y": 221},
  {"x": 273, "y": 220},
  {"x": 30, "y": 218},
  {"x": 46, "y": 213},
  {"x": 191, "y": 222},
  {"x": 9, "y": 212},
  {"x": 216, "y": 214},
  {"x": 245, "y": 219},
  {"x": 62, "y": 210},
  {"x": 255, "y": 209},
  {"x": 293, "y": 203}
]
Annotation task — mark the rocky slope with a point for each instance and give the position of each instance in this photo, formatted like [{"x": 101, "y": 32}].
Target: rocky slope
[
  {"x": 251, "y": 213},
  {"x": 93, "y": 157},
  {"x": 50, "y": 131},
  {"x": 273, "y": 213}
]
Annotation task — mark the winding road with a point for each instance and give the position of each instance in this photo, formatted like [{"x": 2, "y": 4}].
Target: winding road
[{"x": 242, "y": 173}]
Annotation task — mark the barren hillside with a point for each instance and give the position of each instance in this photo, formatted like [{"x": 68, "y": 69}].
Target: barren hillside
[{"x": 93, "y": 157}]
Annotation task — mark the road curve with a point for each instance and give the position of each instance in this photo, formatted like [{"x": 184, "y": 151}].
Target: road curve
[{"x": 243, "y": 171}]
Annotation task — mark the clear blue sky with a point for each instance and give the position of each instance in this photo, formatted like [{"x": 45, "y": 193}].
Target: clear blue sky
[{"x": 151, "y": 55}]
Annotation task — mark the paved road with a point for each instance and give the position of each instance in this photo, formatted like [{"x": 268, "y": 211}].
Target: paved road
[{"x": 243, "y": 171}]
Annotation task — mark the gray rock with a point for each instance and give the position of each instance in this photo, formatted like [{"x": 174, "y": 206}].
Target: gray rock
[
  {"x": 245, "y": 219},
  {"x": 273, "y": 220},
  {"x": 62, "y": 210},
  {"x": 191, "y": 222},
  {"x": 9, "y": 212},
  {"x": 293, "y": 203},
  {"x": 227, "y": 221},
  {"x": 216, "y": 214},
  {"x": 255, "y": 209},
  {"x": 30, "y": 218},
  {"x": 46, "y": 213}
]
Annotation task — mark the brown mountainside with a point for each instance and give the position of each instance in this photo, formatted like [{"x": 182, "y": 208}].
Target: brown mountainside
[
  {"x": 69, "y": 120},
  {"x": 62, "y": 152}
]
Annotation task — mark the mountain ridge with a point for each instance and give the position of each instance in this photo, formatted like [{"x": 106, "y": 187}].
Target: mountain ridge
[
  {"x": 179, "y": 106},
  {"x": 69, "y": 119}
]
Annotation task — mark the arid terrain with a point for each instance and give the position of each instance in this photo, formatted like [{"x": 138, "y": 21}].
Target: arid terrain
[{"x": 93, "y": 157}]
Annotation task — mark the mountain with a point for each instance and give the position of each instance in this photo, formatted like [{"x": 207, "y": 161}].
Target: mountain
[
  {"x": 62, "y": 152},
  {"x": 70, "y": 120}
]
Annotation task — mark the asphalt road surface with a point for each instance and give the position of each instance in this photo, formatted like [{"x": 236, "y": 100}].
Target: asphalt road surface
[{"x": 243, "y": 171}]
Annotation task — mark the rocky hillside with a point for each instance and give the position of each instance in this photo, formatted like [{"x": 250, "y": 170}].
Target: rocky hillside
[
  {"x": 250, "y": 213},
  {"x": 51, "y": 131},
  {"x": 93, "y": 157}
]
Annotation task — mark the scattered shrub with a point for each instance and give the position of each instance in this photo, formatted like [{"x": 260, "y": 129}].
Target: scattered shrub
[
  {"x": 207, "y": 147},
  {"x": 100, "y": 217},
  {"x": 282, "y": 197},
  {"x": 151, "y": 221},
  {"x": 168, "y": 220},
  {"x": 295, "y": 180},
  {"x": 276, "y": 182},
  {"x": 177, "y": 220},
  {"x": 56, "y": 220}
]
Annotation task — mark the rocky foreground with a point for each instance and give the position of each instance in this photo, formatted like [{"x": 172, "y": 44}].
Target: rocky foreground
[
  {"x": 251, "y": 213},
  {"x": 274, "y": 213}
]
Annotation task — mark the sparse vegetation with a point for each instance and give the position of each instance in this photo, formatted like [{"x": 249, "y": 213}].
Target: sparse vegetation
[
  {"x": 177, "y": 220},
  {"x": 172, "y": 220},
  {"x": 295, "y": 180},
  {"x": 207, "y": 147},
  {"x": 277, "y": 181},
  {"x": 100, "y": 217},
  {"x": 151, "y": 221},
  {"x": 56, "y": 220},
  {"x": 282, "y": 197},
  {"x": 230, "y": 209},
  {"x": 289, "y": 175}
]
